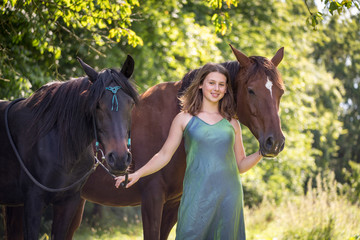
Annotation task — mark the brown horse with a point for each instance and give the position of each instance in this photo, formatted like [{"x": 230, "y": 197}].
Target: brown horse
[{"x": 257, "y": 88}]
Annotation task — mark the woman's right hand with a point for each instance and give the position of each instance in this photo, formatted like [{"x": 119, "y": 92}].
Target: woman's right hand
[{"x": 132, "y": 179}]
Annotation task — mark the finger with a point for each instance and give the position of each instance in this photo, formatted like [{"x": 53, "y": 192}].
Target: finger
[
  {"x": 130, "y": 183},
  {"x": 119, "y": 180}
]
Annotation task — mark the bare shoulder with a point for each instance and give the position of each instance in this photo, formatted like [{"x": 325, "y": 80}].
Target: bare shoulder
[
  {"x": 182, "y": 119},
  {"x": 235, "y": 123}
]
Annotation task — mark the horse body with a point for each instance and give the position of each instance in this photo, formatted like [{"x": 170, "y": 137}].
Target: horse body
[
  {"x": 9, "y": 177},
  {"x": 53, "y": 131}
]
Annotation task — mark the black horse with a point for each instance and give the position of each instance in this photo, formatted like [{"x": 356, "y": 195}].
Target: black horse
[{"x": 46, "y": 150}]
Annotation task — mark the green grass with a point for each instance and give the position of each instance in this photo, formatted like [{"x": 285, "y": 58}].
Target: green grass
[
  {"x": 134, "y": 232},
  {"x": 322, "y": 214}
]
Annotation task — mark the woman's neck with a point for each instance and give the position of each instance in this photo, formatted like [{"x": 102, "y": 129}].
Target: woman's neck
[{"x": 209, "y": 107}]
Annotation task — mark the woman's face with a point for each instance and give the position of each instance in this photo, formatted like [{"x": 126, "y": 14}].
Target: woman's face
[{"x": 214, "y": 87}]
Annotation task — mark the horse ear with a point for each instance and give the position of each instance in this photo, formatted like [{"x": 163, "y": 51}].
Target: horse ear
[
  {"x": 242, "y": 58},
  {"x": 128, "y": 67},
  {"x": 92, "y": 74},
  {"x": 278, "y": 57}
]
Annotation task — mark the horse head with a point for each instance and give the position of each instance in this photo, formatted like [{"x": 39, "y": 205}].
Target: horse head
[
  {"x": 258, "y": 88},
  {"x": 111, "y": 99}
]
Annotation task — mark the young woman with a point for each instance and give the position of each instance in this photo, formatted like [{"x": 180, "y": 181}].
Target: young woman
[{"x": 212, "y": 202}]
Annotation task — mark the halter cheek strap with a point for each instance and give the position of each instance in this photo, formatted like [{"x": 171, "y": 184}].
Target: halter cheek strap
[{"x": 114, "y": 98}]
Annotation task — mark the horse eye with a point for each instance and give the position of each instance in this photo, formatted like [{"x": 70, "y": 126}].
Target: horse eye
[{"x": 251, "y": 92}]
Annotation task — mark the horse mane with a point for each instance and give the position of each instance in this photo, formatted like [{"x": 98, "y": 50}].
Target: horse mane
[{"x": 69, "y": 108}]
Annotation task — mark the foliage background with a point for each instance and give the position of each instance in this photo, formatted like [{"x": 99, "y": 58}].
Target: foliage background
[{"x": 39, "y": 42}]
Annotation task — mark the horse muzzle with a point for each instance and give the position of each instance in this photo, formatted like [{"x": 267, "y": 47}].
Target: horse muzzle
[
  {"x": 118, "y": 163},
  {"x": 271, "y": 147}
]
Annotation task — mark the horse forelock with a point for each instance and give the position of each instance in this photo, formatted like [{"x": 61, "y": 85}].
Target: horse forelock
[
  {"x": 262, "y": 64},
  {"x": 125, "y": 83}
]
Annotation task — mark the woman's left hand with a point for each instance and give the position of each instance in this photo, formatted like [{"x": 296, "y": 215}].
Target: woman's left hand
[{"x": 132, "y": 179}]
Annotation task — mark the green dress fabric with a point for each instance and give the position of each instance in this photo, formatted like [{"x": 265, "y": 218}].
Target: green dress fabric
[{"x": 212, "y": 202}]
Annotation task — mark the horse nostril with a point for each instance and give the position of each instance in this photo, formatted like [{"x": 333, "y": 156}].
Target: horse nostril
[
  {"x": 111, "y": 159},
  {"x": 282, "y": 146},
  {"x": 269, "y": 143}
]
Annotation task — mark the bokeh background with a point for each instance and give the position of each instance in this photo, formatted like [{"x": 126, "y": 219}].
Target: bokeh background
[{"x": 312, "y": 189}]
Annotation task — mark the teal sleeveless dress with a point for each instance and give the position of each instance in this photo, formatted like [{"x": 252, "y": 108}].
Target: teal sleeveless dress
[{"x": 211, "y": 206}]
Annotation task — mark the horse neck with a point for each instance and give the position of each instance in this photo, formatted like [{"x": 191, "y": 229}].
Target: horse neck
[
  {"x": 63, "y": 108},
  {"x": 238, "y": 82}
]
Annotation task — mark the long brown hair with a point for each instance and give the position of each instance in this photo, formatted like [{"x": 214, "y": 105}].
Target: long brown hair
[{"x": 191, "y": 101}]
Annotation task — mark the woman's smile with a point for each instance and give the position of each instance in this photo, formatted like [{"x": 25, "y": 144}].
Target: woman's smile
[{"x": 214, "y": 87}]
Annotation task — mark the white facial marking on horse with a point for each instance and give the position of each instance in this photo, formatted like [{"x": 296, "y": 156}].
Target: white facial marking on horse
[{"x": 269, "y": 85}]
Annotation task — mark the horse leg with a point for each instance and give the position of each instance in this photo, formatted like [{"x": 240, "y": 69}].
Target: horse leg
[
  {"x": 151, "y": 212},
  {"x": 13, "y": 221},
  {"x": 169, "y": 218},
  {"x": 75, "y": 224},
  {"x": 64, "y": 213},
  {"x": 33, "y": 208}
]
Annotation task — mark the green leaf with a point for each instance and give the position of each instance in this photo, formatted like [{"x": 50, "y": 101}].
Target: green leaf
[
  {"x": 35, "y": 42},
  {"x": 57, "y": 53},
  {"x": 101, "y": 24},
  {"x": 333, "y": 6},
  {"x": 214, "y": 17},
  {"x": 112, "y": 33}
]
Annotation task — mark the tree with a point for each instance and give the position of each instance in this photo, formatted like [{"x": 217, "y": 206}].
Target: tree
[
  {"x": 330, "y": 6},
  {"x": 339, "y": 51},
  {"x": 35, "y": 35}
]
